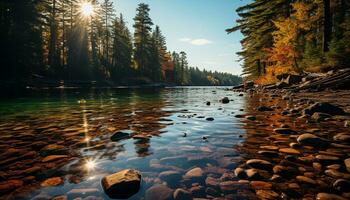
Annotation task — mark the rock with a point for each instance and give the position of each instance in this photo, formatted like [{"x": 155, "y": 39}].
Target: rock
[
  {"x": 170, "y": 176},
  {"x": 240, "y": 173},
  {"x": 272, "y": 148},
  {"x": 10, "y": 185},
  {"x": 271, "y": 154},
  {"x": 312, "y": 140},
  {"x": 252, "y": 174},
  {"x": 323, "y": 108},
  {"x": 318, "y": 116},
  {"x": 336, "y": 174},
  {"x": 284, "y": 131},
  {"x": 342, "y": 137},
  {"x": 251, "y": 118},
  {"x": 260, "y": 185},
  {"x": 289, "y": 151},
  {"x": 276, "y": 178},
  {"x": 264, "y": 108},
  {"x": 347, "y": 164},
  {"x": 230, "y": 186},
  {"x": 208, "y": 103},
  {"x": 267, "y": 194},
  {"x": 122, "y": 184},
  {"x": 342, "y": 185},
  {"x": 211, "y": 182},
  {"x": 119, "y": 136},
  {"x": 159, "y": 192},
  {"x": 307, "y": 180},
  {"x": 284, "y": 126},
  {"x": 53, "y": 149},
  {"x": 259, "y": 164},
  {"x": 53, "y": 158},
  {"x": 52, "y": 182},
  {"x": 197, "y": 191},
  {"x": 194, "y": 173},
  {"x": 210, "y": 119},
  {"x": 225, "y": 100},
  {"x": 327, "y": 160},
  {"x": 327, "y": 196},
  {"x": 181, "y": 194},
  {"x": 283, "y": 171}
]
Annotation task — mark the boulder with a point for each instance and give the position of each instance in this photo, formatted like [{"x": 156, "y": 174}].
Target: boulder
[{"x": 122, "y": 184}]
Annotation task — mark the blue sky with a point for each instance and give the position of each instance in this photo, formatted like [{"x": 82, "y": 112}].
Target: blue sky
[{"x": 196, "y": 27}]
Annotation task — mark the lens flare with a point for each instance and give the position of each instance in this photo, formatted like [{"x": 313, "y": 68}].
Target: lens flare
[
  {"x": 86, "y": 9},
  {"x": 90, "y": 164}
]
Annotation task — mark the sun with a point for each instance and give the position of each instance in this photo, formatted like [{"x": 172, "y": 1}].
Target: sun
[{"x": 86, "y": 9}]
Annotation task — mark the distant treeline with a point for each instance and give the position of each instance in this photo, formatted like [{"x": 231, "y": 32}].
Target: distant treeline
[
  {"x": 291, "y": 36},
  {"x": 87, "y": 41}
]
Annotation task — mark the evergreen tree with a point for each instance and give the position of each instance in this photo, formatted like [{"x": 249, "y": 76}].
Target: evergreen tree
[
  {"x": 142, "y": 39},
  {"x": 107, "y": 12},
  {"x": 122, "y": 49}
]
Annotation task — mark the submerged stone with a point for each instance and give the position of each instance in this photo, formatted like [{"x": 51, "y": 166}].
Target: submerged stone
[
  {"x": 159, "y": 192},
  {"x": 122, "y": 184},
  {"x": 119, "y": 136}
]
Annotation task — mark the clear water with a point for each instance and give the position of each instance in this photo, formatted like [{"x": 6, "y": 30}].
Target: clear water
[{"x": 83, "y": 122}]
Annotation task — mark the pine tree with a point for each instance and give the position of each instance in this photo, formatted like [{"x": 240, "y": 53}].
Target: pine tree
[
  {"x": 142, "y": 39},
  {"x": 122, "y": 49},
  {"x": 107, "y": 12}
]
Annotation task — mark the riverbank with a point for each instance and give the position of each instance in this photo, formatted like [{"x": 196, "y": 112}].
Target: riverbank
[{"x": 297, "y": 144}]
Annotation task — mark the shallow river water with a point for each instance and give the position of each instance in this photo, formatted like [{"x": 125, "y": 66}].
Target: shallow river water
[{"x": 80, "y": 124}]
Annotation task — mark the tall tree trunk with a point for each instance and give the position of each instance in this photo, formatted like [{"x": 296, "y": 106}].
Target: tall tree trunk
[
  {"x": 327, "y": 25},
  {"x": 53, "y": 37}
]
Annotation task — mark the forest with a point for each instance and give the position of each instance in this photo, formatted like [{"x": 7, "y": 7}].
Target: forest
[
  {"x": 78, "y": 41},
  {"x": 289, "y": 36}
]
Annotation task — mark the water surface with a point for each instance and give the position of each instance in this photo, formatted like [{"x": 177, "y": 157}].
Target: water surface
[{"x": 168, "y": 130}]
